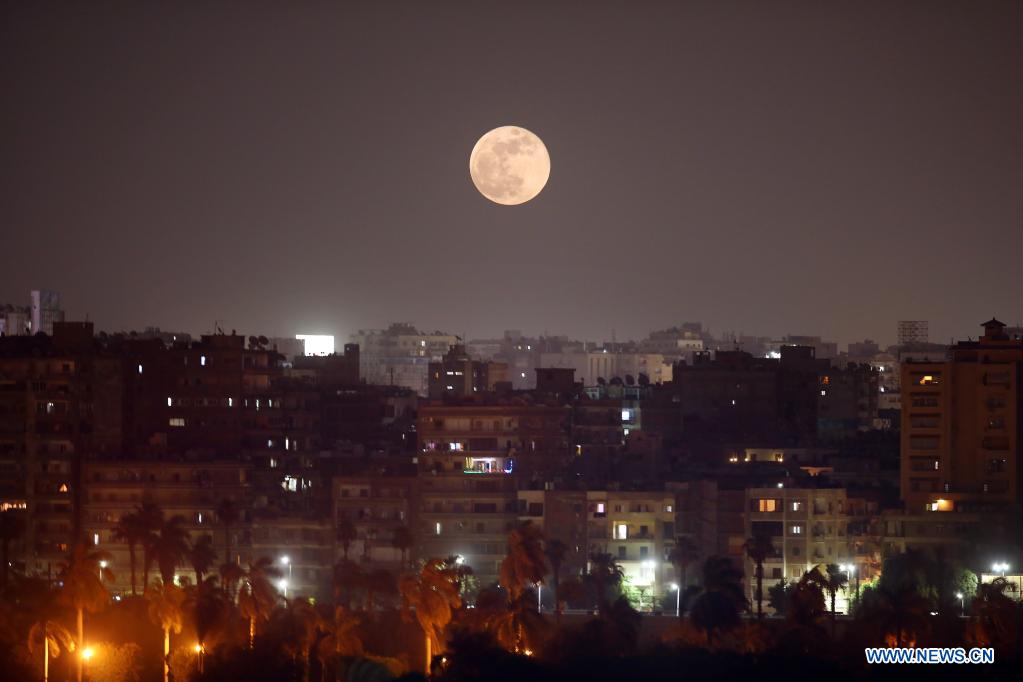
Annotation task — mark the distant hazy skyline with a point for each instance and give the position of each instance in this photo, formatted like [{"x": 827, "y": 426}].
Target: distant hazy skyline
[{"x": 767, "y": 168}]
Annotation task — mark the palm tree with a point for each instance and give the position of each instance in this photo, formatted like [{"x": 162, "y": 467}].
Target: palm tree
[
  {"x": 306, "y": 625},
  {"x": 133, "y": 529},
  {"x": 150, "y": 519},
  {"x": 681, "y": 556},
  {"x": 605, "y": 573},
  {"x": 82, "y": 574},
  {"x": 555, "y": 550},
  {"x": 402, "y": 540},
  {"x": 834, "y": 580},
  {"x": 758, "y": 549},
  {"x": 12, "y": 525},
  {"x": 55, "y": 637},
  {"x": 717, "y": 605},
  {"x": 170, "y": 547},
  {"x": 431, "y": 596},
  {"x": 257, "y": 595},
  {"x": 346, "y": 535},
  {"x": 202, "y": 556},
  {"x": 342, "y": 639},
  {"x": 518, "y": 626},
  {"x": 166, "y": 602},
  {"x": 525, "y": 563},
  {"x": 209, "y": 611},
  {"x": 228, "y": 515}
]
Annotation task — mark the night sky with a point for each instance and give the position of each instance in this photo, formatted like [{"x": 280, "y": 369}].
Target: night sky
[{"x": 765, "y": 167}]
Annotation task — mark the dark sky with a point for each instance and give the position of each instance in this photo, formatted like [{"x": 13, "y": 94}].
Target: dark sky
[{"x": 767, "y": 167}]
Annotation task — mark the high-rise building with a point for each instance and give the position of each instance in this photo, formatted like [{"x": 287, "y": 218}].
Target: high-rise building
[
  {"x": 458, "y": 375},
  {"x": 913, "y": 331},
  {"x": 45, "y": 311},
  {"x": 960, "y": 425}
]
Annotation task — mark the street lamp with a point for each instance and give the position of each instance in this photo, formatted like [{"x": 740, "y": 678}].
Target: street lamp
[
  {"x": 87, "y": 653},
  {"x": 199, "y": 651},
  {"x": 678, "y": 598},
  {"x": 539, "y": 592},
  {"x": 283, "y": 586},
  {"x": 102, "y": 567},
  {"x": 962, "y": 604},
  {"x": 286, "y": 560},
  {"x": 1000, "y": 567}
]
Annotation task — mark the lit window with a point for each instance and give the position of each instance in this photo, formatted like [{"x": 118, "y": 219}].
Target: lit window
[
  {"x": 823, "y": 392},
  {"x": 95, "y": 538},
  {"x": 523, "y": 374},
  {"x": 455, "y": 447},
  {"x": 273, "y": 463},
  {"x": 626, "y": 415},
  {"x": 230, "y": 402},
  {"x": 797, "y": 530},
  {"x": 621, "y": 531},
  {"x": 170, "y": 402},
  {"x": 63, "y": 488},
  {"x": 768, "y": 505},
  {"x": 437, "y": 528},
  {"x": 290, "y": 483},
  {"x": 202, "y": 360},
  {"x": 177, "y": 421},
  {"x": 600, "y": 508},
  {"x": 626, "y": 432},
  {"x": 199, "y": 517},
  {"x": 668, "y": 508},
  {"x": 269, "y": 443},
  {"x": 733, "y": 401},
  {"x": 140, "y": 369},
  {"x": 797, "y": 506}
]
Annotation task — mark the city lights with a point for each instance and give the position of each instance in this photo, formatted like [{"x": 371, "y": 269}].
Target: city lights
[
  {"x": 87, "y": 653},
  {"x": 1000, "y": 567}
]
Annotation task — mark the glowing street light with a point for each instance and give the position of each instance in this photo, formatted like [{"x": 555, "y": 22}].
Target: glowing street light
[
  {"x": 286, "y": 560},
  {"x": 283, "y": 586},
  {"x": 962, "y": 604},
  {"x": 459, "y": 560},
  {"x": 678, "y": 598},
  {"x": 87, "y": 653},
  {"x": 1000, "y": 567}
]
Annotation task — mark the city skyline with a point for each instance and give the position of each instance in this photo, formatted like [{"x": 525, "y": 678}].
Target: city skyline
[{"x": 308, "y": 169}]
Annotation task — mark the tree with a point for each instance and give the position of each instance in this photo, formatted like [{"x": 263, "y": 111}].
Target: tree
[
  {"x": 758, "y": 549},
  {"x": 834, "y": 580},
  {"x": 525, "y": 563},
  {"x": 605, "y": 573},
  {"x": 54, "y": 638},
  {"x": 170, "y": 547},
  {"x": 431, "y": 596},
  {"x": 227, "y": 515},
  {"x": 82, "y": 576},
  {"x": 996, "y": 616},
  {"x": 209, "y": 611},
  {"x": 681, "y": 556},
  {"x": 133, "y": 529},
  {"x": 555, "y": 550},
  {"x": 342, "y": 639},
  {"x": 779, "y": 596},
  {"x": 402, "y": 540},
  {"x": 898, "y": 612},
  {"x": 379, "y": 582},
  {"x": 12, "y": 526},
  {"x": 716, "y": 606},
  {"x": 166, "y": 608},
  {"x": 151, "y": 517},
  {"x": 348, "y": 577},
  {"x": 306, "y": 624},
  {"x": 257, "y": 595},
  {"x": 346, "y": 535},
  {"x": 202, "y": 556}
]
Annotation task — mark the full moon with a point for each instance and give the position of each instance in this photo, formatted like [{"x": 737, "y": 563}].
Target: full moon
[{"x": 509, "y": 165}]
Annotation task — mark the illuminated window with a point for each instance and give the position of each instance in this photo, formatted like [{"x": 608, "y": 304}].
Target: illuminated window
[
  {"x": 202, "y": 360},
  {"x": 230, "y": 402},
  {"x": 668, "y": 508},
  {"x": 62, "y": 488},
  {"x": 170, "y": 402},
  {"x": 95, "y": 538},
  {"x": 797, "y": 529},
  {"x": 437, "y": 528},
  {"x": 601, "y": 508},
  {"x": 626, "y": 415},
  {"x": 455, "y": 447},
  {"x": 621, "y": 531},
  {"x": 797, "y": 506},
  {"x": 767, "y": 505},
  {"x": 140, "y": 369},
  {"x": 177, "y": 421}
]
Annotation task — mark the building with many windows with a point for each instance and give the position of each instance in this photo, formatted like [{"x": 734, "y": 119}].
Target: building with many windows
[{"x": 960, "y": 425}]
